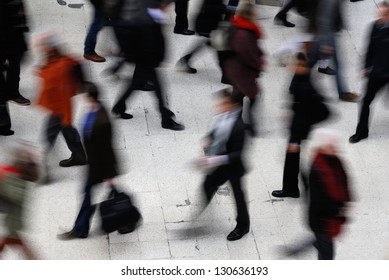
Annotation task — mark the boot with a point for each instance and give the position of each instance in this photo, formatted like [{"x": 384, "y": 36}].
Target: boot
[{"x": 290, "y": 179}]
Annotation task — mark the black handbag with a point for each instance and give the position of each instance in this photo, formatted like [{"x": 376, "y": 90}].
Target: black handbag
[{"x": 118, "y": 213}]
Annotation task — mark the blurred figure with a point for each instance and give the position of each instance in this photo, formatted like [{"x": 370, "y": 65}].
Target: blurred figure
[
  {"x": 376, "y": 68},
  {"x": 181, "y": 9},
  {"x": 223, "y": 149},
  {"x": 329, "y": 195},
  {"x": 281, "y": 16},
  {"x": 244, "y": 67},
  {"x": 138, "y": 30},
  {"x": 325, "y": 20},
  {"x": 13, "y": 25},
  {"x": 309, "y": 109},
  {"x": 61, "y": 78},
  {"x": 210, "y": 14},
  {"x": 98, "y": 22},
  {"x": 14, "y": 180},
  {"x": 97, "y": 134}
]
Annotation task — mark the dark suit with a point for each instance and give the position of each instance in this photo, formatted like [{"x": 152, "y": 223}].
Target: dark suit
[
  {"x": 233, "y": 171},
  {"x": 102, "y": 164}
]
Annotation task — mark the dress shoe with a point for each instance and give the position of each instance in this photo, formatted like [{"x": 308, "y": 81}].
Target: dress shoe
[
  {"x": 183, "y": 62},
  {"x": 328, "y": 70},
  {"x": 123, "y": 116},
  {"x": 356, "y": 138},
  {"x": 20, "y": 100},
  {"x": 225, "y": 80},
  {"x": 349, "y": 97},
  {"x": 281, "y": 193},
  {"x": 7, "y": 132},
  {"x": 94, "y": 57},
  {"x": 279, "y": 20},
  {"x": 238, "y": 233},
  {"x": 71, "y": 235},
  {"x": 355, "y": 0},
  {"x": 72, "y": 162},
  {"x": 171, "y": 124},
  {"x": 184, "y": 31}
]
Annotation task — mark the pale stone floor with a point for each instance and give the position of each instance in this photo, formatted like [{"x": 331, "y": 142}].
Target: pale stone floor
[{"x": 154, "y": 161}]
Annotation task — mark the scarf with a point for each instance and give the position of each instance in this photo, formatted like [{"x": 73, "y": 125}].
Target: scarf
[{"x": 245, "y": 24}]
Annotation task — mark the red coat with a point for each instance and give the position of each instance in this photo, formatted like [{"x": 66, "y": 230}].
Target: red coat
[{"x": 58, "y": 86}]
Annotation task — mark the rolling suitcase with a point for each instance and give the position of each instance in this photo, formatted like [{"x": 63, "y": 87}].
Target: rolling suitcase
[{"x": 118, "y": 213}]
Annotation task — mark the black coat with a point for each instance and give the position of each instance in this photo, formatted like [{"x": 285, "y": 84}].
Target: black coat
[
  {"x": 98, "y": 146},
  {"x": 13, "y": 24},
  {"x": 377, "y": 56},
  {"x": 211, "y": 13}
]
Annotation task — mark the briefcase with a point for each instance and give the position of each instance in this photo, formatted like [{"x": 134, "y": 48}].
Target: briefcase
[{"x": 118, "y": 213}]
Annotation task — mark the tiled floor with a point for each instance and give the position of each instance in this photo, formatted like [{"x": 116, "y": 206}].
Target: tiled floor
[{"x": 154, "y": 161}]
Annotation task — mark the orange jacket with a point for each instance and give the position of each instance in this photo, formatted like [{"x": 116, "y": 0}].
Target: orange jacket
[{"x": 59, "y": 85}]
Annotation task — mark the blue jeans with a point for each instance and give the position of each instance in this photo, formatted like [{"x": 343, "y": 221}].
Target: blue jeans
[
  {"x": 316, "y": 55},
  {"x": 99, "y": 21}
]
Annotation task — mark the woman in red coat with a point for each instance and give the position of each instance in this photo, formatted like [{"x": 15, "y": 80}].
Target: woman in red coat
[{"x": 244, "y": 66}]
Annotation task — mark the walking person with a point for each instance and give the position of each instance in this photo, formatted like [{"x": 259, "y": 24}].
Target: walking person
[
  {"x": 139, "y": 33},
  {"x": 376, "y": 69},
  {"x": 97, "y": 135},
  {"x": 309, "y": 109},
  {"x": 224, "y": 154},
  {"x": 181, "y": 26},
  {"x": 328, "y": 194},
  {"x": 245, "y": 65},
  {"x": 61, "y": 78}
]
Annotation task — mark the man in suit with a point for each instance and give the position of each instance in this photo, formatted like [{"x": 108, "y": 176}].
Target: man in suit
[
  {"x": 101, "y": 158},
  {"x": 223, "y": 151},
  {"x": 376, "y": 68}
]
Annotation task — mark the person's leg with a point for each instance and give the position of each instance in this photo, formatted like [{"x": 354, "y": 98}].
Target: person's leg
[
  {"x": 373, "y": 86},
  {"x": 181, "y": 9},
  {"x": 82, "y": 223},
  {"x": 243, "y": 219},
  {"x": 341, "y": 86},
  {"x": 185, "y": 60},
  {"x": 5, "y": 120},
  {"x": 13, "y": 80},
  {"x": 98, "y": 22},
  {"x": 73, "y": 141},
  {"x": 282, "y": 15},
  {"x": 325, "y": 247},
  {"x": 53, "y": 128}
]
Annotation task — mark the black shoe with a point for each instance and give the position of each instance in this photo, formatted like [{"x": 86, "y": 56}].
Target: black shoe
[
  {"x": 72, "y": 162},
  {"x": 20, "y": 100},
  {"x": 225, "y": 80},
  {"x": 171, "y": 124},
  {"x": 356, "y": 138},
  {"x": 327, "y": 70},
  {"x": 283, "y": 21},
  {"x": 355, "y": 0},
  {"x": 238, "y": 233},
  {"x": 184, "y": 31},
  {"x": 123, "y": 116},
  {"x": 71, "y": 235},
  {"x": 8, "y": 132},
  {"x": 281, "y": 193}
]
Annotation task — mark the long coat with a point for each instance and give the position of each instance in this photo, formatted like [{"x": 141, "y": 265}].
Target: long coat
[
  {"x": 98, "y": 147},
  {"x": 243, "y": 68}
]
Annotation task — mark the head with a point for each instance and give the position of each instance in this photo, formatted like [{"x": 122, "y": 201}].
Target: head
[
  {"x": 246, "y": 11},
  {"x": 228, "y": 101},
  {"x": 327, "y": 141},
  {"x": 49, "y": 44},
  {"x": 383, "y": 11},
  {"x": 92, "y": 93}
]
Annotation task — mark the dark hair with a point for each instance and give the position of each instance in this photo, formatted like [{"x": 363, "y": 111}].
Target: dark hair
[
  {"x": 233, "y": 96},
  {"x": 92, "y": 91}
]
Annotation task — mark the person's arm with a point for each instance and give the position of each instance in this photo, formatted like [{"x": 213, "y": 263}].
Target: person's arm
[{"x": 370, "y": 49}]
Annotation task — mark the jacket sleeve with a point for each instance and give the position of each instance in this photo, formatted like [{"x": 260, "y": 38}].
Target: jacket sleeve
[{"x": 371, "y": 48}]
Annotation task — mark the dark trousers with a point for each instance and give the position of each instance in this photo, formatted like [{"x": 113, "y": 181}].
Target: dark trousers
[
  {"x": 98, "y": 22},
  {"x": 325, "y": 246},
  {"x": 5, "y": 120},
  {"x": 181, "y": 8},
  {"x": 285, "y": 9},
  {"x": 12, "y": 75},
  {"x": 217, "y": 178},
  {"x": 373, "y": 86},
  {"x": 144, "y": 73},
  {"x": 82, "y": 223},
  {"x": 72, "y": 138}
]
